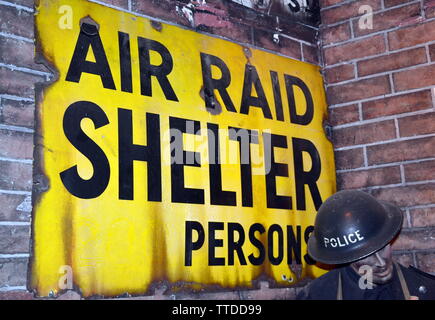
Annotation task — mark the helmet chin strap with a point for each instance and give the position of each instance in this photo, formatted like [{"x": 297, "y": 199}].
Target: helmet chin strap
[{"x": 402, "y": 282}]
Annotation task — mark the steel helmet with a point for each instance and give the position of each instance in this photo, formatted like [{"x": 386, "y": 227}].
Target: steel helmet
[{"x": 351, "y": 225}]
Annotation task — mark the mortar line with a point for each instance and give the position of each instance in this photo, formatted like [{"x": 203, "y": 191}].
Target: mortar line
[
  {"x": 16, "y": 6},
  {"x": 390, "y": 164},
  {"x": 25, "y": 70},
  {"x": 16, "y": 128},
  {"x": 381, "y": 119},
  {"x": 388, "y": 95},
  {"x": 16, "y": 192},
  {"x": 14, "y": 223},
  {"x": 384, "y": 73},
  {"x": 386, "y": 142},
  {"x": 16, "y": 37}
]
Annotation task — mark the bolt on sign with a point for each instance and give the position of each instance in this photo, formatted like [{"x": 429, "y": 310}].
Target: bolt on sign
[{"x": 171, "y": 157}]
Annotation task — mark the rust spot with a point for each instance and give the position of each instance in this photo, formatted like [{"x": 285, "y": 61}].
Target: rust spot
[
  {"x": 327, "y": 128},
  {"x": 247, "y": 52},
  {"x": 216, "y": 106},
  {"x": 156, "y": 25},
  {"x": 89, "y": 26}
]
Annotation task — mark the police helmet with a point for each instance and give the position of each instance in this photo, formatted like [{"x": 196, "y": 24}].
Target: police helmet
[{"x": 351, "y": 225}]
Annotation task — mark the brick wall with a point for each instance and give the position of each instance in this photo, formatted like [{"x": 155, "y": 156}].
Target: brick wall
[
  {"x": 19, "y": 74},
  {"x": 381, "y": 94}
]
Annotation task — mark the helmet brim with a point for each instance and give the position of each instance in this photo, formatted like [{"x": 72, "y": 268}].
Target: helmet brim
[{"x": 392, "y": 226}]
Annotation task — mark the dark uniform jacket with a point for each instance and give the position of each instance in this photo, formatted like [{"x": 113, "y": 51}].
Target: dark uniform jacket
[{"x": 419, "y": 284}]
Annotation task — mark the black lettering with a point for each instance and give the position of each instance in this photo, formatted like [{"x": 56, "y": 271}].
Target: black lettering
[
  {"x": 270, "y": 244},
  {"x": 307, "y": 257},
  {"x": 302, "y": 177},
  {"x": 125, "y": 62},
  {"x": 217, "y": 195},
  {"x": 214, "y": 243},
  {"x": 180, "y": 193},
  {"x": 235, "y": 246},
  {"x": 257, "y": 261},
  {"x": 274, "y": 170},
  {"x": 90, "y": 37},
  {"x": 277, "y": 96},
  {"x": 147, "y": 70},
  {"x": 251, "y": 78},
  {"x": 189, "y": 244},
  {"x": 128, "y": 152},
  {"x": 309, "y": 112},
  {"x": 95, "y": 186},
  {"x": 210, "y": 84},
  {"x": 294, "y": 244},
  {"x": 245, "y": 138}
]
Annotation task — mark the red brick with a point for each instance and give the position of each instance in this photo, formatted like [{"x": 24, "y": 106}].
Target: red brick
[
  {"x": 349, "y": 159},
  {"x": 415, "y": 240},
  {"x": 336, "y": 33},
  {"x": 392, "y": 61},
  {"x": 18, "y": 83},
  {"x": 15, "y": 176},
  {"x": 426, "y": 262},
  {"x": 432, "y": 52},
  {"x": 368, "y": 178},
  {"x": 310, "y": 54},
  {"x": 243, "y": 15},
  {"x": 415, "y": 78},
  {"x": 393, "y": 3},
  {"x": 388, "y": 19},
  {"x": 417, "y": 125},
  {"x": 429, "y": 9},
  {"x": 408, "y": 195},
  {"x": 358, "y": 90},
  {"x": 10, "y": 205},
  {"x": 118, "y": 3},
  {"x": 17, "y": 113},
  {"x": 397, "y": 104},
  {"x": 339, "y": 73},
  {"x": 328, "y": 3},
  {"x": 25, "y": 3},
  {"x": 429, "y": 12},
  {"x": 293, "y": 29},
  {"x": 164, "y": 10},
  {"x": 19, "y": 53},
  {"x": 424, "y": 170},
  {"x": 16, "y": 295},
  {"x": 286, "y": 46},
  {"x": 405, "y": 259},
  {"x": 18, "y": 22},
  {"x": 17, "y": 145},
  {"x": 412, "y": 35},
  {"x": 13, "y": 272},
  {"x": 354, "y": 50},
  {"x": 233, "y": 31},
  {"x": 347, "y": 11},
  {"x": 423, "y": 217},
  {"x": 401, "y": 151},
  {"x": 364, "y": 134},
  {"x": 343, "y": 115},
  {"x": 14, "y": 239}
]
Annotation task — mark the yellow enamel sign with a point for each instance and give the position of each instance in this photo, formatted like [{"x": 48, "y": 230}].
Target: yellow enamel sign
[{"x": 171, "y": 156}]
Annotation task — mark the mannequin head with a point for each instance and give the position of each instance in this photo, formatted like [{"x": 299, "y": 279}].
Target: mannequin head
[{"x": 381, "y": 263}]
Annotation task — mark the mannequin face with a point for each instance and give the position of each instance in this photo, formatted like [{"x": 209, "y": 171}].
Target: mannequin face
[{"x": 381, "y": 263}]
